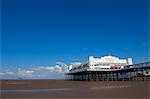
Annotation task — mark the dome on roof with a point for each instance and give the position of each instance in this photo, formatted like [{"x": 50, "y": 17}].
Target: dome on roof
[{"x": 109, "y": 58}]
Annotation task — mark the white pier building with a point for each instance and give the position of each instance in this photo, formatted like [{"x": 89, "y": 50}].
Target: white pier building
[
  {"x": 108, "y": 68},
  {"x": 106, "y": 63}
]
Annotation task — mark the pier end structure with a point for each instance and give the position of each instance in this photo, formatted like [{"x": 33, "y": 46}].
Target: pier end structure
[
  {"x": 105, "y": 63},
  {"x": 106, "y": 68}
]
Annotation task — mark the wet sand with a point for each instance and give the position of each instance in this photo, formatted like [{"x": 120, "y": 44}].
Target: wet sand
[{"x": 59, "y": 89}]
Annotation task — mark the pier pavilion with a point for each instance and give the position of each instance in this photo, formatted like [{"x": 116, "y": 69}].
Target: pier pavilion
[{"x": 109, "y": 68}]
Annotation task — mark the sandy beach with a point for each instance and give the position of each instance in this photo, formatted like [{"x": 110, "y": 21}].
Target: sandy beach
[{"x": 59, "y": 89}]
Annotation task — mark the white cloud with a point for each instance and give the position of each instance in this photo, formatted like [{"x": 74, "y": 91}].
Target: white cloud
[
  {"x": 74, "y": 64},
  {"x": 39, "y": 72},
  {"x": 9, "y": 73},
  {"x": 2, "y": 74},
  {"x": 58, "y": 68},
  {"x": 24, "y": 73},
  {"x": 16, "y": 74}
]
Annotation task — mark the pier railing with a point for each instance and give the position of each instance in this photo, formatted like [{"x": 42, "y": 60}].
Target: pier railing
[{"x": 139, "y": 65}]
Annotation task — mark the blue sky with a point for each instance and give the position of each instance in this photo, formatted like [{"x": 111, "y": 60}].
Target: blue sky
[{"x": 42, "y": 32}]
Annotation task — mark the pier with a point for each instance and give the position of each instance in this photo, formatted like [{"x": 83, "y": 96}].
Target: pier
[{"x": 135, "y": 72}]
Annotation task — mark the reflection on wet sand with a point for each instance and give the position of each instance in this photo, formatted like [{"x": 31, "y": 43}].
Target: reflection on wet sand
[
  {"x": 57, "y": 89},
  {"x": 62, "y": 89}
]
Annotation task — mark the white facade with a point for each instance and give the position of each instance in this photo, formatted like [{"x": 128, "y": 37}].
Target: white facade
[{"x": 106, "y": 63}]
